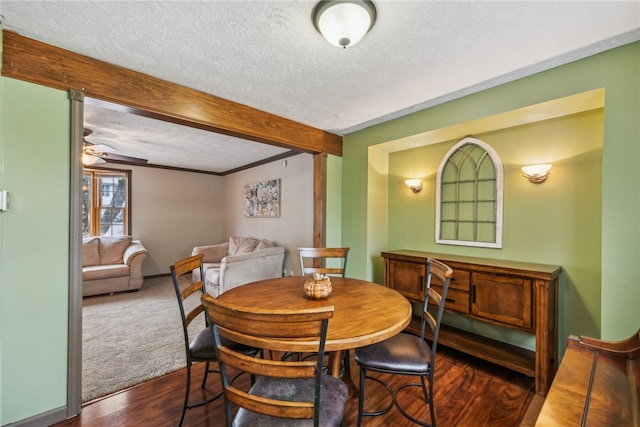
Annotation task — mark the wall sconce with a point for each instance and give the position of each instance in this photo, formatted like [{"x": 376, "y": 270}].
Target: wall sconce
[
  {"x": 536, "y": 173},
  {"x": 414, "y": 184},
  {"x": 344, "y": 23}
]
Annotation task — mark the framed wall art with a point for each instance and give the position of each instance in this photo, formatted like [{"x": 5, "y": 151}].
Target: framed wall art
[{"x": 262, "y": 200}]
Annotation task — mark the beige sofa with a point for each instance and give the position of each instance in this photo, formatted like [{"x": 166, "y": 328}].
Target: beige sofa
[
  {"x": 111, "y": 264},
  {"x": 239, "y": 261}
]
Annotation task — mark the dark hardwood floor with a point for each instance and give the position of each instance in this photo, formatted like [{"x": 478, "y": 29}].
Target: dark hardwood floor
[{"x": 468, "y": 392}]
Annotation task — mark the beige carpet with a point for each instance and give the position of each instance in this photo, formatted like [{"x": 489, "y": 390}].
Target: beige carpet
[{"x": 128, "y": 338}]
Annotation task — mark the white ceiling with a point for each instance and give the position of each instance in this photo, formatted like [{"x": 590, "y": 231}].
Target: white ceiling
[
  {"x": 268, "y": 55},
  {"x": 168, "y": 144}
]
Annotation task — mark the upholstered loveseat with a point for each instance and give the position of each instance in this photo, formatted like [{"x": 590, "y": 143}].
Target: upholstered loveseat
[
  {"x": 111, "y": 264},
  {"x": 238, "y": 261}
]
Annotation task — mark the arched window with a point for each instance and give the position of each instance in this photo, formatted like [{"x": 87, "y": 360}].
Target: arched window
[{"x": 469, "y": 196}]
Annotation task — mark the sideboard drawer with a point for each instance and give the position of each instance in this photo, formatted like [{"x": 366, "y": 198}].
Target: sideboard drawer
[
  {"x": 455, "y": 300},
  {"x": 460, "y": 280}
]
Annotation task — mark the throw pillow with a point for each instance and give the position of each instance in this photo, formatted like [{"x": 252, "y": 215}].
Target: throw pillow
[
  {"x": 112, "y": 249},
  {"x": 90, "y": 252},
  {"x": 242, "y": 245},
  {"x": 264, "y": 243}
]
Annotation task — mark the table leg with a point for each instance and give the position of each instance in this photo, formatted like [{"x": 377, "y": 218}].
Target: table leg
[{"x": 335, "y": 364}]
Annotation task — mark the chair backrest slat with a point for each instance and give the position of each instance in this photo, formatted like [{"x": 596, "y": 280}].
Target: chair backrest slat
[
  {"x": 434, "y": 297},
  {"x": 195, "y": 312},
  {"x": 280, "y": 409},
  {"x": 318, "y": 260},
  {"x": 187, "y": 265},
  {"x": 430, "y": 320},
  {"x": 194, "y": 287},
  {"x": 265, "y": 367}
]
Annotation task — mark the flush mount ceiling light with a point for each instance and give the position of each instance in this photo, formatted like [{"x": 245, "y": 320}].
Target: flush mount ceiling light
[{"x": 344, "y": 22}]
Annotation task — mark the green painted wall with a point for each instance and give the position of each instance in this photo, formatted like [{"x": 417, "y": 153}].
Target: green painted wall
[
  {"x": 34, "y": 249},
  {"x": 613, "y": 308}
]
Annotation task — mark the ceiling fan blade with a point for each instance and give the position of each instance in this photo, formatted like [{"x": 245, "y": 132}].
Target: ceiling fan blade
[
  {"x": 113, "y": 157},
  {"x": 90, "y": 159},
  {"x": 108, "y": 154},
  {"x": 101, "y": 147}
]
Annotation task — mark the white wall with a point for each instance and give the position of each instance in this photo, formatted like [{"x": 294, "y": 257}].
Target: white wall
[
  {"x": 294, "y": 227},
  {"x": 173, "y": 211}
]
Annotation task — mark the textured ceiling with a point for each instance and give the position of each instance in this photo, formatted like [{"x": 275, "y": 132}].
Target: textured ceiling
[
  {"x": 168, "y": 144},
  {"x": 268, "y": 55}
]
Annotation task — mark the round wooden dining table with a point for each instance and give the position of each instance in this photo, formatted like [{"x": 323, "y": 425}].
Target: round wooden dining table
[{"x": 364, "y": 312}]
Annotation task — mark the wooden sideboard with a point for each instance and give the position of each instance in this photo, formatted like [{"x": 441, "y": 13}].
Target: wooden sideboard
[{"x": 516, "y": 295}]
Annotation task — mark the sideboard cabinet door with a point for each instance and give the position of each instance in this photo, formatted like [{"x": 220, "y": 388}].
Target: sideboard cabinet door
[
  {"x": 502, "y": 299},
  {"x": 407, "y": 278}
]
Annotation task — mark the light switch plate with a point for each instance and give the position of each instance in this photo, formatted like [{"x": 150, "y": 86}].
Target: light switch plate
[{"x": 4, "y": 200}]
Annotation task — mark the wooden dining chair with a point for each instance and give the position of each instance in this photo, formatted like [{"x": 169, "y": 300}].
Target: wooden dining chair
[
  {"x": 408, "y": 354},
  {"x": 330, "y": 261},
  {"x": 288, "y": 392},
  {"x": 200, "y": 348}
]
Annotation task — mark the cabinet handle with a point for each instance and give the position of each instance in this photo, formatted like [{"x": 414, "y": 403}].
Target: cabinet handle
[
  {"x": 421, "y": 283},
  {"x": 473, "y": 294}
]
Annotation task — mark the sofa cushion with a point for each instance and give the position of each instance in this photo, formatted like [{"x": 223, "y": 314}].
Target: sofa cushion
[
  {"x": 112, "y": 249},
  {"x": 97, "y": 272},
  {"x": 90, "y": 252},
  {"x": 242, "y": 245}
]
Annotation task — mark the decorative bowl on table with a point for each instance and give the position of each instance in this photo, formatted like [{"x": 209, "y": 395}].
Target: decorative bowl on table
[{"x": 318, "y": 287}]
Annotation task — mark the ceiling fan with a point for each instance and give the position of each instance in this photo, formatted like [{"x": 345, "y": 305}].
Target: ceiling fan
[{"x": 102, "y": 153}]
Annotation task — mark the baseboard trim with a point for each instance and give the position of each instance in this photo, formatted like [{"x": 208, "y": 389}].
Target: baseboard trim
[{"x": 153, "y": 276}]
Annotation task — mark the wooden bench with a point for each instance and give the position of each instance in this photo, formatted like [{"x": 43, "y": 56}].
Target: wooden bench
[{"x": 597, "y": 384}]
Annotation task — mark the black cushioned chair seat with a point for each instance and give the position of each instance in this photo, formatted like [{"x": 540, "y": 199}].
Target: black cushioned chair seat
[
  {"x": 203, "y": 346},
  {"x": 400, "y": 353},
  {"x": 333, "y": 400}
]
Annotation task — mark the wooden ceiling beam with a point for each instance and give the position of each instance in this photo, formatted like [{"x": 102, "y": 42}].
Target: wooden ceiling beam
[{"x": 37, "y": 62}]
